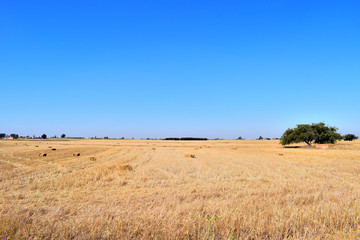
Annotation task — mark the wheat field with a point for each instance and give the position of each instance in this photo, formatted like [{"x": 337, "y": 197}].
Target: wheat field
[{"x": 147, "y": 189}]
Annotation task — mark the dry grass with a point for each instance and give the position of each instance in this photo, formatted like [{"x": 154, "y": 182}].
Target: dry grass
[{"x": 231, "y": 190}]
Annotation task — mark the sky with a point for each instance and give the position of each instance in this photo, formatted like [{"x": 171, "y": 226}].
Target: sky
[{"x": 215, "y": 69}]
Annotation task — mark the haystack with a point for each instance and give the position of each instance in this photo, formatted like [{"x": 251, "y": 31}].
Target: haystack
[
  {"x": 92, "y": 158},
  {"x": 190, "y": 155},
  {"x": 42, "y": 154},
  {"x": 126, "y": 167},
  {"x": 76, "y": 154}
]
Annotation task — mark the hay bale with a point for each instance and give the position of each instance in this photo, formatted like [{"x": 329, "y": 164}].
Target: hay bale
[
  {"x": 126, "y": 167},
  {"x": 76, "y": 154},
  {"x": 153, "y": 148},
  {"x": 49, "y": 146},
  {"x": 36, "y": 146},
  {"x": 42, "y": 154},
  {"x": 190, "y": 155},
  {"x": 281, "y": 154},
  {"x": 92, "y": 159}
]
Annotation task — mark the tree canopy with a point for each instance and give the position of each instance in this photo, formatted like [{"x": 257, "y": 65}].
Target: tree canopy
[{"x": 314, "y": 133}]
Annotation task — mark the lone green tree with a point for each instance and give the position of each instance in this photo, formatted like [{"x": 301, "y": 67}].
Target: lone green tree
[
  {"x": 43, "y": 136},
  {"x": 350, "y": 137},
  {"x": 63, "y": 135},
  {"x": 314, "y": 133}
]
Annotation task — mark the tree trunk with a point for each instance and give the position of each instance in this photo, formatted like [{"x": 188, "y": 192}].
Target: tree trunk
[{"x": 308, "y": 144}]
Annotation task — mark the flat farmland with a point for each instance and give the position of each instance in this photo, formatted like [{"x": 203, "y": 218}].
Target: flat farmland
[{"x": 147, "y": 189}]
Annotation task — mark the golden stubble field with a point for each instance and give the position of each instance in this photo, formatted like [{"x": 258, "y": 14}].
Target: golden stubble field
[{"x": 140, "y": 189}]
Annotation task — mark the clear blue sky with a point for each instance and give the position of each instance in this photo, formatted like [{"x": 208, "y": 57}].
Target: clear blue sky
[{"x": 178, "y": 68}]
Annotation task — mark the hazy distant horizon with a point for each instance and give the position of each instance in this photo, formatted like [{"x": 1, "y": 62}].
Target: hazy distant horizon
[{"x": 142, "y": 135}]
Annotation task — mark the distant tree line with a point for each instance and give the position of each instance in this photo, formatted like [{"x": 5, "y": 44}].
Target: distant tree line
[
  {"x": 308, "y": 133},
  {"x": 187, "y": 139}
]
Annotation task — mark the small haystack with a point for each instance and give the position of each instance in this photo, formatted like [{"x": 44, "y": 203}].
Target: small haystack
[
  {"x": 76, "y": 154},
  {"x": 92, "y": 159},
  {"x": 42, "y": 154},
  {"x": 126, "y": 167},
  {"x": 190, "y": 155}
]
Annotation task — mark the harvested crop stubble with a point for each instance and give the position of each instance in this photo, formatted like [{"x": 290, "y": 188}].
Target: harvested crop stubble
[{"x": 255, "y": 193}]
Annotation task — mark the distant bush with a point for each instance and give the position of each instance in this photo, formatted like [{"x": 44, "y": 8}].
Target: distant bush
[
  {"x": 63, "y": 135},
  {"x": 350, "y": 137},
  {"x": 43, "y": 136},
  {"x": 14, "y": 136}
]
